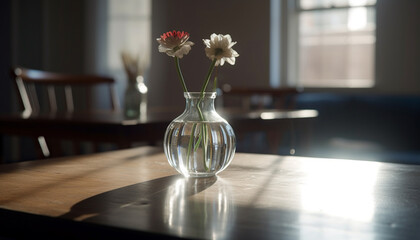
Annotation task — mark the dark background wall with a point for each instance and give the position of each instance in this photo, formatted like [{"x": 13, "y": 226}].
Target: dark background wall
[
  {"x": 398, "y": 50},
  {"x": 48, "y": 34},
  {"x": 5, "y": 55}
]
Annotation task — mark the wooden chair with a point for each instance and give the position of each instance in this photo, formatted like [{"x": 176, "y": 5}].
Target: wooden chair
[
  {"x": 252, "y": 99},
  {"x": 33, "y": 85},
  {"x": 260, "y": 98}
]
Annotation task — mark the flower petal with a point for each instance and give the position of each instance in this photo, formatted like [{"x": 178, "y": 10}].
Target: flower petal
[
  {"x": 222, "y": 61},
  {"x": 231, "y": 60},
  {"x": 234, "y": 53},
  {"x": 206, "y": 42},
  {"x": 163, "y": 49},
  {"x": 219, "y": 47},
  {"x": 184, "y": 50},
  {"x": 173, "y": 43}
]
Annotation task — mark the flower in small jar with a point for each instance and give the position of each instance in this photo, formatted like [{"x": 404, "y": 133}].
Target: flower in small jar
[
  {"x": 175, "y": 43},
  {"x": 219, "y": 48}
]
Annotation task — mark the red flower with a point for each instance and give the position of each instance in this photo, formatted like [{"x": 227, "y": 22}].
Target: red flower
[
  {"x": 175, "y": 43},
  {"x": 175, "y": 34}
]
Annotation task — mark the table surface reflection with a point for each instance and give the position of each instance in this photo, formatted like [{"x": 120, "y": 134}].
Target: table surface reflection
[{"x": 135, "y": 193}]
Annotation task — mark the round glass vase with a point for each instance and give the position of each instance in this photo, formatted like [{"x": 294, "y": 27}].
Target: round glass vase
[{"x": 199, "y": 143}]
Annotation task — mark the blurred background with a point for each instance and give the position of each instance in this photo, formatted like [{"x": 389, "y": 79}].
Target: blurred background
[{"x": 352, "y": 58}]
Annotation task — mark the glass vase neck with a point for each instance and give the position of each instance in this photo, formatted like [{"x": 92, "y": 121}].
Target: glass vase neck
[
  {"x": 199, "y": 95},
  {"x": 200, "y": 101},
  {"x": 200, "y": 107}
]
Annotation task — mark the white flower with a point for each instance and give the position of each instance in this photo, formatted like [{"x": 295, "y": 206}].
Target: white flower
[
  {"x": 220, "y": 47},
  {"x": 175, "y": 44}
]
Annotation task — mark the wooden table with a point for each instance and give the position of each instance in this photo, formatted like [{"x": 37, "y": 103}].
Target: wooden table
[
  {"x": 104, "y": 126},
  {"x": 134, "y": 193},
  {"x": 113, "y": 127}
]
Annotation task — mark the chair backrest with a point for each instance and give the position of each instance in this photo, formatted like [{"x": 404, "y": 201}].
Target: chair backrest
[
  {"x": 260, "y": 98},
  {"x": 27, "y": 81}
]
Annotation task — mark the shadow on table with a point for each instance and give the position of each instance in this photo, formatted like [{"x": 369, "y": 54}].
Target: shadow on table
[
  {"x": 139, "y": 195},
  {"x": 176, "y": 207}
]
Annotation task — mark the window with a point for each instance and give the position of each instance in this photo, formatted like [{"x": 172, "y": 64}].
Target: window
[
  {"x": 115, "y": 26},
  {"x": 329, "y": 43},
  {"x": 129, "y": 29}
]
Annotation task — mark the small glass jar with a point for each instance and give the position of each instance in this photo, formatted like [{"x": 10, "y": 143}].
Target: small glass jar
[{"x": 135, "y": 99}]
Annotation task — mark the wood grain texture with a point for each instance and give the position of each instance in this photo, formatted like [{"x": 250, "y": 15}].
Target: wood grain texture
[{"x": 135, "y": 191}]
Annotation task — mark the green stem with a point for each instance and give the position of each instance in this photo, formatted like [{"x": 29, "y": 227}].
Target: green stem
[
  {"x": 197, "y": 144},
  {"x": 181, "y": 78},
  {"x": 215, "y": 84},
  {"x": 205, "y": 144},
  {"x": 203, "y": 89},
  {"x": 190, "y": 144},
  {"x": 204, "y": 140},
  {"x": 203, "y": 133},
  {"x": 202, "y": 137},
  {"x": 215, "y": 80}
]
